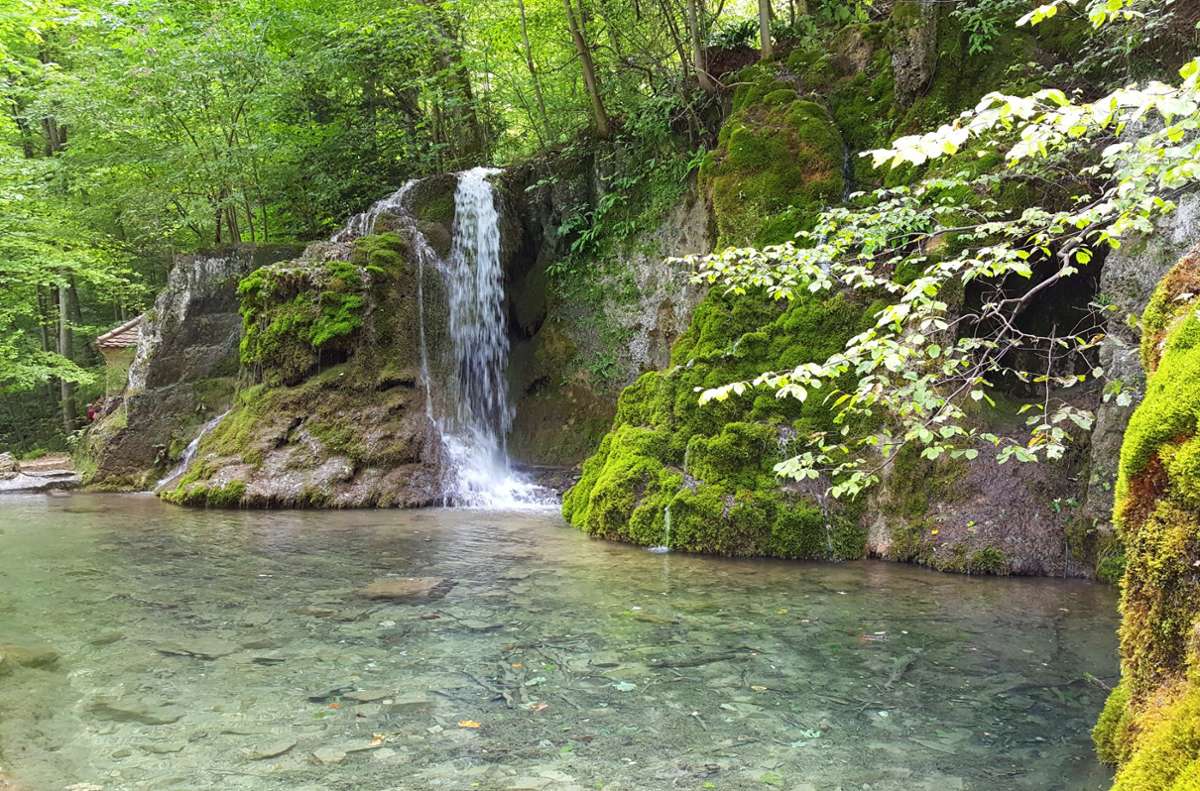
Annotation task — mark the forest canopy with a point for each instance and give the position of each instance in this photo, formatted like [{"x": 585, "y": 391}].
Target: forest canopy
[{"x": 133, "y": 130}]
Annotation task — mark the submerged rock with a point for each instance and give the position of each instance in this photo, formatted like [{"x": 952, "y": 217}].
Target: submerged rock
[
  {"x": 207, "y": 648},
  {"x": 408, "y": 590},
  {"x": 134, "y": 710},
  {"x": 267, "y": 750},
  {"x": 27, "y": 656}
]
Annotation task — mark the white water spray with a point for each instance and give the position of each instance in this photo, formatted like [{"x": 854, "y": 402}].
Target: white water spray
[
  {"x": 189, "y": 452},
  {"x": 474, "y": 435}
]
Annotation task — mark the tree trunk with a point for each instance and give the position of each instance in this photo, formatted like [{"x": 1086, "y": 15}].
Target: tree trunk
[
  {"x": 533, "y": 72},
  {"x": 764, "y": 30},
  {"x": 599, "y": 114},
  {"x": 66, "y": 389},
  {"x": 697, "y": 35}
]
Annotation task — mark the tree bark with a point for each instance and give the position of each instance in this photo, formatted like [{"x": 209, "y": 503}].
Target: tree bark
[
  {"x": 599, "y": 114},
  {"x": 694, "y": 19},
  {"x": 764, "y": 30},
  {"x": 533, "y": 72},
  {"x": 66, "y": 389}
]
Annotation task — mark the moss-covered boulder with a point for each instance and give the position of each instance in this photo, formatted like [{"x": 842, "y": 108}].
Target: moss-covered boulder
[
  {"x": 777, "y": 163},
  {"x": 700, "y": 478},
  {"x": 1151, "y": 724},
  {"x": 332, "y": 410}
]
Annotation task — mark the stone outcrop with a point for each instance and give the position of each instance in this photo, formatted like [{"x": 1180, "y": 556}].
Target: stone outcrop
[
  {"x": 332, "y": 407},
  {"x": 183, "y": 373},
  {"x": 1150, "y": 724},
  {"x": 1127, "y": 281}
]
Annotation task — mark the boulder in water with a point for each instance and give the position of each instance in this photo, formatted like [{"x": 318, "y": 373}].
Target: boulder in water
[
  {"x": 408, "y": 589},
  {"x": 27, "y": 656}
]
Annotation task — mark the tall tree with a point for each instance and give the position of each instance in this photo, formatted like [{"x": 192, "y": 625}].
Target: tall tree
[
  {"x": 764, "y": 30},
  {"x": 588, "y": 65},
  {"x": 695, "y": 20},
  {"x": 530, "y": 64}
]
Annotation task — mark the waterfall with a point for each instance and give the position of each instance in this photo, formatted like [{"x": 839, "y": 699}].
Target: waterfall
[
  {"x": 474, "y": 434},
  {"x": 472, "y": 415},
  {"x": 189, "y": 452}
]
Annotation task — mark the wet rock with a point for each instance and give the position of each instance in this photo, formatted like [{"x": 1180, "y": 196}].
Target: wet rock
[
  {"x": 205, "y": 648},
  {"x": 415, "y": 703},
  {"x": 28, "y": 656},
  {"x": 9, "y": 468},
  {"x": 408, "y": 589},
  {"x": 133, "y": 710},
  {"x": 368, "y": 695},
  {"x": 269, "y": 750},
  {"x": 329, "y": 755},
  {"x": 164, "y": 748}
]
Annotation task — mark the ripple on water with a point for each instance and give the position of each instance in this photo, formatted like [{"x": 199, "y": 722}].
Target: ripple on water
[{"x": 234, "y": 650}]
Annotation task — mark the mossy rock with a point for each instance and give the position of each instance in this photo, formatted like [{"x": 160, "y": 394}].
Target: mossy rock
[
  {"x": 1151, "y": 724},
  {"x": 299, "y": 313},
  {"x": 711, "y": 467},
  {"x": 778, "y": 162}
]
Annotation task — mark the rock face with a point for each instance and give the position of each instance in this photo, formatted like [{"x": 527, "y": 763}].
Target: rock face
[
  {"x": 914, "y": 53},
  {"x": 573, "y": 347},
  {"x": 9, "y": 468},
  {"x": 333, "y": 409},
  {"x": 1149, "y": 725},
  {"x": 1128, "y": 279},
  {"x": 183, "y": 372}
]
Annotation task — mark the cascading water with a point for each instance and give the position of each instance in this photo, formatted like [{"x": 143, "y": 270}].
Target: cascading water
[
  {"x": 471, "y": 414},
  {"x": 474, "y": 434},
  {"x": 363, "y": 224},
  {"x": 189, "y": 452}
]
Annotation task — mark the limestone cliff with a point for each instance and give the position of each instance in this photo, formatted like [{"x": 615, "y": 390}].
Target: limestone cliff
[{"x": 184, "y": 372}]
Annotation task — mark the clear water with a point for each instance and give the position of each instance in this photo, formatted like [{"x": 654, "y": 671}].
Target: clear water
[{"x": 586, "y": 665}]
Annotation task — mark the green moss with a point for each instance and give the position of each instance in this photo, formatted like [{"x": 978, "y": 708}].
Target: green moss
[
  {"x": 1151, "y": 724},
  {"x": 1111, "y": 734},
  {"x": 777, "y": 163},
  {"x": 799, "y": 531},
  {"x": 293, "y": 312},
  {"x": 1167, "y": 748},
  {"x": 915, "y": 484},
  {"x": 713, "y": 465}
]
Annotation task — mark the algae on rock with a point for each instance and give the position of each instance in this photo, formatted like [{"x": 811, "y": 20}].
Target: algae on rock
[
  {"x": 1151, "y": 724},
  {"x": 332, "y": 408}
]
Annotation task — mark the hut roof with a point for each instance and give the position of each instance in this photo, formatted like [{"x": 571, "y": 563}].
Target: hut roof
[{"x": 123, "y": 336}]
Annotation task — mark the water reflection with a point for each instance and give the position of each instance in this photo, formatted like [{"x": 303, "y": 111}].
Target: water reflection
[{"x": 224, "y": 650}]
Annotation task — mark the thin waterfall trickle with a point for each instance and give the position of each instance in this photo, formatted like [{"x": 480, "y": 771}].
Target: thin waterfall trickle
[
  {"x": 189, "y": 452},
  {"x": 363, "y": 223},
  {"x": 665, "y": 546}
]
